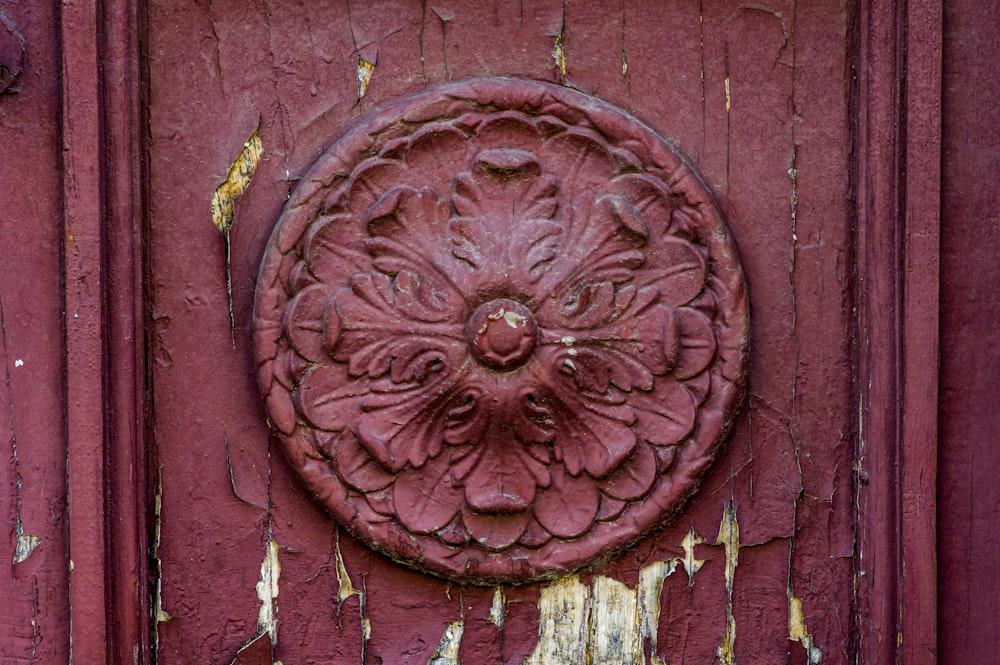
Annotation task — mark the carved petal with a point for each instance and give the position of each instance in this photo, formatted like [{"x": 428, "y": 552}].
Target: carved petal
[
  {"x": 569, "y": 506},
  {"x": 369, "y": 327},
  {"x": 602, "y": 243},
  {"x": 357, "y": 467},
  {"x": 495, "y": 532},
  {"x": 503, "y": 228},
  {"x": 427, "y": 499},
  {"x": 669, "y": 417},
  {"x": 594, "y": 431},
  {"x": 677, "y": 269},
  {"x": 328, "y": 400},
  {"x": 623, "y": 337},
  {"x": 697, "y": 344},
  {"x": 634, "y": 477},
  {"x": 648, "y": 197},
  {"x": 304, "y": 322},
  {"x": 500, "y": 476},
  {"x": 403, "y": 423}
]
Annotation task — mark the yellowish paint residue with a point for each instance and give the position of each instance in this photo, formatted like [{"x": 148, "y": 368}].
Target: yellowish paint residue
[
  {"x": 236, "y": 182},
  {"x": 497, "y": 608},
  {"x": 797, "y": 631},
  {"x": 365, "y": 71},
  {"x": 728, "y": 98},
  {"x": 651, "y": 580},
  {"x": 562, "y": 623},
  {"x": 606, "y": 622},
  {"x": 267, "y": 592},
  {"x": 223, "y": 206},
  {"x": 615, "y": 623},
  {"x": 447, "y": 649},
  {"x": 344, "y": 589},
  {"x": 729, "y": 536},
  {"x": 158, "y": 611},
  {"x": 26, "y": 544},
  {"x": 559, "y": 55},
  {"x": 691, "y": 564}
]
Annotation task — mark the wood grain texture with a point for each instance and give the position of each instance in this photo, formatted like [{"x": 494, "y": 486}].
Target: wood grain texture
[{"x": 758, "y": 98}]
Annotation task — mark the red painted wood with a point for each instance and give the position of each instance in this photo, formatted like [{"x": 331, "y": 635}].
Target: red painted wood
[
  {"x": 33, "y": 593},
  {"x": 898, "y": 194},
  {"x": 969, "y": 460},
  {"x": 920, "y": 301},
  {"x": 84, "y": 318}
]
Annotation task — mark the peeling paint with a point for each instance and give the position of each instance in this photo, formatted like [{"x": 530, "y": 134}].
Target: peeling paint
[
  {"x": 447, "y": 649},
  {"x": 365, "y": 71},
  {"x": 607, "y": 622},
  {"x": 729, "y": 536},
  {"x": 651, "y": 579},
  {"x": 497, "y": 608},
  {"x": 267, "y": 591},
  {"x": 691, "y": 564},
  {"x": 559, "y": 55},
  {"x": 797, "y": 631},
  {"x": 223, "y": 206},
  {"x": 344, "y": 588},
  {"x": 26, "y": 543},
  {"x": 159, "y": 613},
  {"x": 728, "y": 98}
]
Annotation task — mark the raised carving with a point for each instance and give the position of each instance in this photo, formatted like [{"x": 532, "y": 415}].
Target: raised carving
[{"x": 500, "y": 330}]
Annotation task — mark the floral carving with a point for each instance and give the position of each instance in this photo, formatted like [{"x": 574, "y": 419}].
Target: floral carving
[{"x": 504, "y": 337}]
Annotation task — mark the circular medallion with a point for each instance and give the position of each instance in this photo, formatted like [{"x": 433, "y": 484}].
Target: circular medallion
[{"x": 501, "y": 330}]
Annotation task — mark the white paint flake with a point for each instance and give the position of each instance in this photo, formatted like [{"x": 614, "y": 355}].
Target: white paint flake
[
  {"x": 497, "y": 608},
  {"x": 447, "y": 649},
  {"x": 691, "y": 564},
  {"x": 267, "y": 591}
]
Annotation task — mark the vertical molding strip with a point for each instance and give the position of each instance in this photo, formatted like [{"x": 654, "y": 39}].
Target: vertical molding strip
[
  {"x": 83, "y": 288},
  {"x": 899, "y": 150},
  {"x": 921, "y": 306},
  {"x": 102, "y": 264}
]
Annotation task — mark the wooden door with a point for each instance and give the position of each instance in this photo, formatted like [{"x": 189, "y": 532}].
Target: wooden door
[{"x": 801, "y": 138}]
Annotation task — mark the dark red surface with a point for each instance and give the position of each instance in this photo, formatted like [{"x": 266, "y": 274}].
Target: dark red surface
[{"x": 969, "y": 459}]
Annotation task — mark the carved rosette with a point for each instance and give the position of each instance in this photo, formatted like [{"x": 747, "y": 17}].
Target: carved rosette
[{"x": 500, "y": 330}]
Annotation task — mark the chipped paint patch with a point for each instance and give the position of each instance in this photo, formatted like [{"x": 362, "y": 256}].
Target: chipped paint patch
[
  {"x": 267, "y": 591},
  {"x": 26, "y": 544},
  {"x": 691, "y": 564},
  {"x": 559, "y": 55},
  {"x": 728, "y": 98},
  {"x": 344, "y": 587},
  {"x": 615, "y": 635},
  {"x": 497, "y": 608},
  {"x": 365, "y": 71},
  {"x": 447, "y": 649},
  {"x": 729, "y": 536},
  {"x": 797, "y": 631},
  {"x": 223, "y": 207},
  {"x": 159, "y": 613},
  {"x": 607, "y": 622},
  {"x": 651, "y": 579},
  {"x": 562, "y": 619}
]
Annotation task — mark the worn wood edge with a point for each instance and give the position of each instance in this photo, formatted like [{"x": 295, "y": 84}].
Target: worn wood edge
[
  {"x": 104, "y": 363},
  {"x": 897, "y": 255}
]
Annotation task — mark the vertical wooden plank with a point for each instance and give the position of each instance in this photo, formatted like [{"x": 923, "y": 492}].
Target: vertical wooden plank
[
  {"x": 920, "y": 301},
  {"x": 34, "y": 617},
  {"x": 968, "y": 547},
  {"x": 898, "y": 222},
  {"x": 84, "y": 273},
  {"x": 123, "y": 370}
]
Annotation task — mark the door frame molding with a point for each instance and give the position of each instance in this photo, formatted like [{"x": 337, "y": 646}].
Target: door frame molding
[{"x": 111, "y": 474}]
